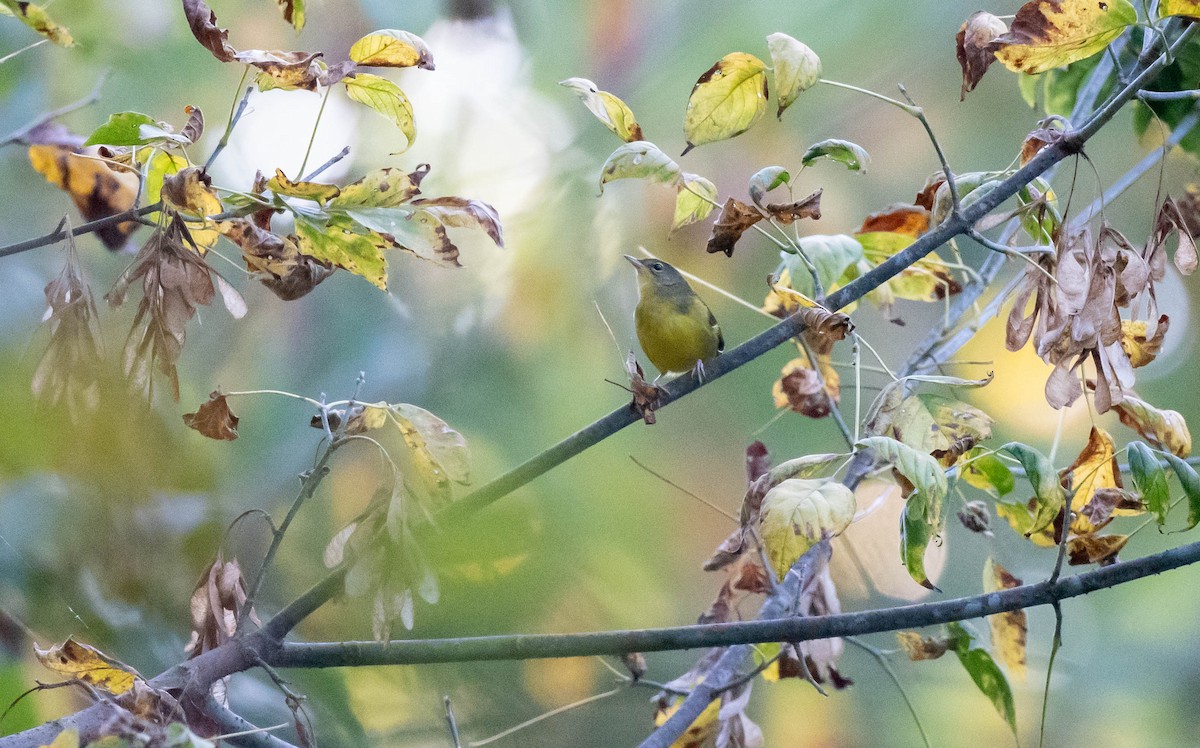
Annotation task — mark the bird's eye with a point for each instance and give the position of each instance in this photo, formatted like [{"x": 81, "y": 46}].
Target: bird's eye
[{"x": 657, "y": 266}]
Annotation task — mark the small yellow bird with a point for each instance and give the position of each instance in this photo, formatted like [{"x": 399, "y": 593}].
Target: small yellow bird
[{"x": 676, "y": 328}]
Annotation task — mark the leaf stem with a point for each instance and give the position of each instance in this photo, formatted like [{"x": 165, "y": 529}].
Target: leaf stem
[
  {"x": 312, "y": 138},
  {"x": 881, "y": 658},
  {"x": 912, "y": 110}
]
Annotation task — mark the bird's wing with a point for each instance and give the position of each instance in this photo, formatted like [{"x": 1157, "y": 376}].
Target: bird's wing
[{"x": 712, "y": 320}]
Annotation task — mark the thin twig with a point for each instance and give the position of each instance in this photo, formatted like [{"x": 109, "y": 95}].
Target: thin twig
[
  {"x": 235, "y": 114},
  {"x": 672, "y": 484},
  {"x": 86, "y": 228},
  {"x": 92, "y": 97},
  {"x": 881, "y": 658},
  {"x": 544, "y": 716},
  {"x": 919, "y": 113},
  {"x": 452, "y": 723},
  {"x": 313, "y": 137},
  {"x": 22, "y": 50},
  {"x": 321, "y": 169}
]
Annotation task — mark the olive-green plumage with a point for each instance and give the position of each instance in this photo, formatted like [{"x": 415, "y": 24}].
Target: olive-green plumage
[{"x": 677, "y": 330}]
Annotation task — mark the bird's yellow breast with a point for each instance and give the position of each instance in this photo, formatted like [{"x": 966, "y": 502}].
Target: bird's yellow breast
[{"x": 675, "y": 336}]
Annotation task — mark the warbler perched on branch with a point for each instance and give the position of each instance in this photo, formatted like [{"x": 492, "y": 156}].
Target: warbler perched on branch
[{"x": 677, "y": 330}]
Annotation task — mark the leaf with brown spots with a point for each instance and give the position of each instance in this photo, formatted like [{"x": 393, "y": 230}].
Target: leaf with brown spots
[
  {"x": 727, "y": 100},
  {"x": 461, "y": 212},
  {"x": 898, "y": 218},
  {"x": 1105, "y": 500},
  {"x": 1009, "y": 629},
  {"x": 98, "y": 190},
  {"x": 1165, "y": 429},
  {"x": 1047, "y": 34},
  {"x": 88, "y": 664},
  {"x": 1095, "y": 549},
  {"x": 289, "y": 71},
  {"x": 736, "y": 217},
  {"x": 274, "y": 261},
  {"x": 203, "y": 22},
  {"x": 316, "y": 191},
  {"x": 919, "y": 647},
  {"x": 1094, "y": 469},
  {"x": 972, "y": 46},
  {"x": 214, "y": 419},
  {"x": 1045, "y": 134},
  {"x": 381, "y": 188},
  {"x": 35, "y": 17},
  {"x": 1140, "y": 345}
]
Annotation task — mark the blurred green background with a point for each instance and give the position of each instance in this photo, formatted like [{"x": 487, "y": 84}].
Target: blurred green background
[{"x": 106, "y": 522}]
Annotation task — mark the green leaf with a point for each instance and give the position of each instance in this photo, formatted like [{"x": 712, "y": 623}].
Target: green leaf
[
  {"x": 1149, "y": 480},
  {"x": 123, "y": 128},
  {"x": 797, "y": 69},
  {"x": 726, "y": 101},
  {"x": 986, "y": 674},
  {"x": 915, "y": 533},
  {"x": 640, "y": 160},
  {"x": 693, "y": 200},
  {"x": 340, "y": 243},
  {"x": 1028, "y": 86},
  {"x": 765, "y": 180},
  {"x": 1190, "y": 482},
  {"x": 411, "y": 228},
  {"x": 1044, "y": 478},
  {"x": 931, "y": 423},
  {"x": 35, "y": 17},
  {"x": 386, "y": 98},
  {"x": 392, "y": 48},
  {"x": 807, "y": 466},
  {"x": 919, "y": 468},
  {"x": 1181, "y": 74},
  {"x": 987, "y": 473},
  {"x": 610, "y": 110},
  {"x": 854, "y": 156},
  {"x": 797, "y": 513},
  {"x": 380, "y": 188},
  {"x": 293, "y": 12},
  {"x": 830, "y": 254}
]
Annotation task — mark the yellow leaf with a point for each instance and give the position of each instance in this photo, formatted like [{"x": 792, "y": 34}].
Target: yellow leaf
[
  {"x": 797, "y": 513},
  {"x": 288, "y": 71},
  {"x": 190, "y": 192},
  {"x": 293, "y": 12},
  {"x": 928, "y": 279},
  {"x": 614, "y": 113},
  {"x": 1094, "y": 468},
  {"x": 437, "y": 453},
  {"x": 1189, "y": 8},
  {"x": 35, "y": 17},
  {"x": 88, "y": 664},
  {"x": 341, "y": 243},
  {"x": 699, "y": 733},
  {"x": 726, "y": 100},
  {"x": 386, "y": 98},
  {"x": 381, "y": 188},
  {"x": 317, "y": 191},
  {"x": 919, "y": 647},
  {"x": 158, "y": 165},
  {"x": 1009, "y": 630},
  {"x": 97, "y": 189},
  {"x": 1141, "y": 345},
  {"x": 694, "y": 200},
  {"x": 1095, "y": 549},
  {"x": 1048, "y": 34},
  {"x": 392, "y": 48}
]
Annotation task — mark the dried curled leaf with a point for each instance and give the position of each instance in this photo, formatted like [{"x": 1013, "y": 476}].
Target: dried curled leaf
[
  {"x": 975, "y": 517},
  {"x": 829, "y": 327},
  {"x": 808, "y": 207},
  {"x": 68, "y": 369},
  {"x": 203, "y": 22},
  {"x": 1095, "y": 549},
  {"x": 647, "y": 397},
  {"x": 806, "y": 390},
  {"x": 214, "y": 419},
  {"x": 88, "y": 664},
  {"x": 216, "y": 602},
  {"x": 289, "y": 71},
  {"x": 972, "y": 47},
  {"x": 735, "y": 218},
  {"x": 275, "y": 261}
]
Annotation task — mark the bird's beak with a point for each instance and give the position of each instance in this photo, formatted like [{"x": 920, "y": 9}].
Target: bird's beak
[{"x": 635, "y": 262}]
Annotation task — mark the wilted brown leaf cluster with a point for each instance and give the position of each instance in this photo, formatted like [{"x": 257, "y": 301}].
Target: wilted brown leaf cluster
[{"x": 216, "y": 604}]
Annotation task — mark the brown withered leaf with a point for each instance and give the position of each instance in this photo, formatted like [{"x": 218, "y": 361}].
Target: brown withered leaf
[
  {"x": 975, "y": 517},
  {"x": 736, "y": 217},
  {"x": 336, "y": 72},
  {"x": 972, "y": 47},
  {"x": 721, "y": 609},
  {"x": 194, "y": 127},
  {"x": 215, "y": 604},
  {"x": 88, "y": 664},
  {"x": 800, "y": 387},
  {"x": 293, "y": 12},
  {"x": 898, "y": 218},
  {"x": 647, "y": 397},
  {"x": 635, "y": 663},
  {"x": 68, "y": 369},
  {"x": 1095, "y": 549},
  {"x": 1170, "y": 220},
  {"x": 1009, "y": 629},
  {"x": 97, "y": 189},
  {"x": 214, "y": 419},
  {"x": 1045, "y": 134},
  {"x": 752, "y": 577},
  {"x": 1140, "y": 345},
  {"x": 758, "y": 461},
  {"x": 1189, "y": 208},
  {"x": 823, "y": 328},
  {"x": 928, "y": 194},
  {"x": 203, "y": 22},
  {"x": 275, "y": 261},
  {"x": 785, "y": 213},
  {"x": 285, "y": 70},
  {"x": 919, "y": 647},
  {"x": 175, "y": 280},
  {"x": 1104, "y": 501},
  {"x": 730, "y": 549}
]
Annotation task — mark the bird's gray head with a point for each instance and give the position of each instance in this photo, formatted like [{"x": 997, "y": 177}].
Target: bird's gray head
[{"x": 658, "y": 274}]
